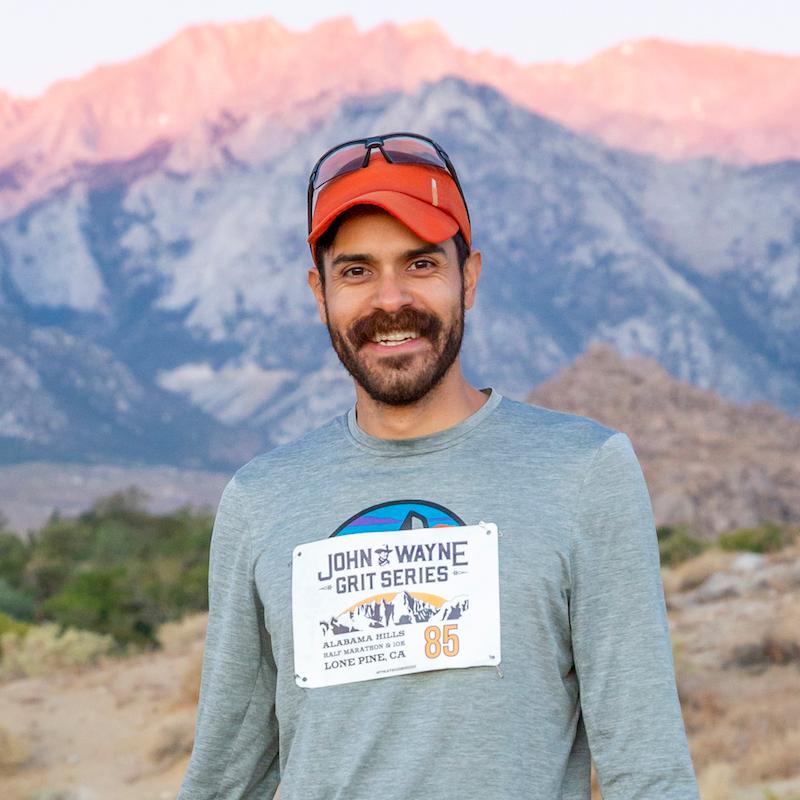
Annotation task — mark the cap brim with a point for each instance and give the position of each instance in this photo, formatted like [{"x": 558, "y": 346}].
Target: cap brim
[{"x": 428, "y": 222}]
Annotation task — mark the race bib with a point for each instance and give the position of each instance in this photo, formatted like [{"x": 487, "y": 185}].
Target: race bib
[{"x": 375, "y": 605}]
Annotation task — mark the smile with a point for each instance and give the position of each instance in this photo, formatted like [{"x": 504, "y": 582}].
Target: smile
[{"x": 394, "y": 339}]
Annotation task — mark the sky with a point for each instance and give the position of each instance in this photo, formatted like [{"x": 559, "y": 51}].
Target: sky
[{"x": 42, "y": 41}]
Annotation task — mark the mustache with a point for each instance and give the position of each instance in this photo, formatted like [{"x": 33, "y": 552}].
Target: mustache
[{"x": 381, "y": 322}]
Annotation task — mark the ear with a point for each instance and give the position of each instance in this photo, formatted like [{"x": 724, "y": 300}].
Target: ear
[
  {"x": 472, "y": 273},
  {"x": 319, "y": 293}
]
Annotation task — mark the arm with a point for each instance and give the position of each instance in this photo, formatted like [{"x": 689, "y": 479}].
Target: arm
[
  {"x": 620, "y": 636},
  {"x": 235, "y": 752}
]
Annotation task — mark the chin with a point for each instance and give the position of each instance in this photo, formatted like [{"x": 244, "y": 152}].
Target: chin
[{"x": 400, "y": 392}]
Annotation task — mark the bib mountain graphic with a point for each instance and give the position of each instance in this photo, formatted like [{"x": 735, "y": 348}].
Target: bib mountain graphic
[{"x": 391, "y": 611}]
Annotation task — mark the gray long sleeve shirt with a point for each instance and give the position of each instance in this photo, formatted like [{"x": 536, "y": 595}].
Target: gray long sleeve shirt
[{"x": 586, "y": 658}]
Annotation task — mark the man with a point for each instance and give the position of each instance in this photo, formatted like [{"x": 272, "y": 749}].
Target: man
[{"x": 498, "y": 616}]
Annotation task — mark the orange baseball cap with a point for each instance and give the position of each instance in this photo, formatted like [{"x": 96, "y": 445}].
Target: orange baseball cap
[{"x": 424, "y": 198}]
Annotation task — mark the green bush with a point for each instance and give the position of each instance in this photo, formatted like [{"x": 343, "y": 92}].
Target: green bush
[
  {"x": 116, "y": 569},
  {"x": 15, "y": 602},
  {"x": 107, "y": 602},
  {"x": 14, "y": 555},
  {"x": 676, "y": 545},
  {"x": 765, "y": 538}
]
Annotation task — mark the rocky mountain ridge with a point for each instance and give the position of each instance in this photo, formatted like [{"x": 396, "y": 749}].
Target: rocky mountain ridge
[
  {"x": 163, "y": 317},
  {"x": 254, "y": 85}
]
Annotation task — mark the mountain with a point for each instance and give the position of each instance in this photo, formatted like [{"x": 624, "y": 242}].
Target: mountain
[
  {"x": 163, "y": 316},
  {"x": 31, "y": 491},
  {"x": 707, "y": 462},
  {"x": 452, "y": 609},
  {"x": 682, "y": 101},
  {"x": 402, "y": 609},
  {"x": 252, "y": 86}
]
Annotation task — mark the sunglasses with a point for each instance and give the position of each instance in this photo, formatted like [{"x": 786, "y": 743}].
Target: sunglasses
[{"x": 396, "y": 148}]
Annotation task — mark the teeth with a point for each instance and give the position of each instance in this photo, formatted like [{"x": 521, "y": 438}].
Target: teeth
[{"x": 395, "y": 338}]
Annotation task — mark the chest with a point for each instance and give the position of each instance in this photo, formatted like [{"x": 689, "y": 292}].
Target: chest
[{"x": 533, "y": 517}]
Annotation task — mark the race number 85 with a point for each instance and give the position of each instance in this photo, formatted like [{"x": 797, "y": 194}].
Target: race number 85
[{"x": 441, "y": 640}]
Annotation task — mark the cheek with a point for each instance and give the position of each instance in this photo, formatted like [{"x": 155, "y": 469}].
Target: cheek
[{"x": 340, "y": 311}]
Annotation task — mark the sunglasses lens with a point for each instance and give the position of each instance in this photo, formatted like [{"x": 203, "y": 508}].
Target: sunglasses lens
[
  {"x": 399, "y": 149},
  {"x": 406, "y": 150},
  {"x": 339, "y": 162}
]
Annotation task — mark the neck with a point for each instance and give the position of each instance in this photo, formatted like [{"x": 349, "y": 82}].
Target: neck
[{"x": 447, "y": 404}]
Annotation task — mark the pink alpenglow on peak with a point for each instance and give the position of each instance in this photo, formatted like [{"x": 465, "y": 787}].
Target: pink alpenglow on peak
[{"x": 214, "y": 84}]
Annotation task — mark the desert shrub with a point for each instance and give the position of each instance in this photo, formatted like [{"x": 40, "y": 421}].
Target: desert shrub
[
  {"x": 695, "y": 571},
  {"x": 46, "y": 649},
  {"x": 55, "y": 551},
  {"x": 14, "y": 555},
  {"x": 15, "y": 602},
  {"x": 182, "y": 635},
  {"x": 765, "y": 538},
  {"x": 11, "y": 626},
  {"x": 115, "y": 569},
  {"x": 676, "y": 545},
  {"x": 174, "y": 741},
  {"x": 769, "y": 650},
  {"x": 105, "y": 601}
]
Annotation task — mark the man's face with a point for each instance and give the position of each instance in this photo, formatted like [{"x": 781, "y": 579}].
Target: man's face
[{"x": 393, "y": 305}]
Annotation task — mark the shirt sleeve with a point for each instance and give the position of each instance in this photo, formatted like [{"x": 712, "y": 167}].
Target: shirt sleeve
[
  {"x": 235, "y": 753},
  {"x": 620, "y": 636}
]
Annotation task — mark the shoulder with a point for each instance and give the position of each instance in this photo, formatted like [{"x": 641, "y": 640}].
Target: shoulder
[
  {"x": 287, "y": 464},
  {"x": 547, "y": 430}
]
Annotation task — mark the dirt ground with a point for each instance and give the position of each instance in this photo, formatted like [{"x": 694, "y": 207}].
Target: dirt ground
[
  {"x": 121, "y": 730},
  {"x": 124, "y": 728}
]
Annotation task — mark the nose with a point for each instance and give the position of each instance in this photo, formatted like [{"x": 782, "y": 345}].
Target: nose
[{"x": 391, "y": 294}]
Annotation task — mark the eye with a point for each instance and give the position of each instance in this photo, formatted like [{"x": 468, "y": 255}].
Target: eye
[
  {"x": 422, "y": 263},
  {"x": 356, "y": 271}
]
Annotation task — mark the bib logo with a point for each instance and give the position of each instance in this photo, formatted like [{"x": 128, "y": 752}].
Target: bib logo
[
  {"x": 397, "y": 604},
  {"x": 399, "y": 515}
]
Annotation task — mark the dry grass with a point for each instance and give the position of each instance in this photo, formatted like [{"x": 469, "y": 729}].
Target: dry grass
[
  {"x": 185, "y": 638},
  {"x": 189, "y": 690},
  {"x": 775, "y": 759},
  {"x": 750, "y": 721},
  {"x": 178, "y": 637},
  {"x": 779, "y": 643},
  {"x": 46, "y": 650},
  {"x": 690, "y": 574},
  {"x": 14, "y": 751},
  {"x": 738, "y": 672},
  {"x": 716, "y": 781},
  {"x": 173, "y": 741}
]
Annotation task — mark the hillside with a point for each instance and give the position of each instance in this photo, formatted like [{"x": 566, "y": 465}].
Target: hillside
[{"x": 707, "y": 461}]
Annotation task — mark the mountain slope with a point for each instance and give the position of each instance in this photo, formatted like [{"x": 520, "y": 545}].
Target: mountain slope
[
  {"x": 195, "y": 280},
  {"x": 253, "y": 84}
]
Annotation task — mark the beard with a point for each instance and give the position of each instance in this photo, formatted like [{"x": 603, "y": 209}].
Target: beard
[{"x": 396, "y": 381}]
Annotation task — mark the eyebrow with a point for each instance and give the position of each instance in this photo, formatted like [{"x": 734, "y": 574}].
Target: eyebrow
[
  {"x": 426, "y": 249},
  {"x": 346, "y": 258}
]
